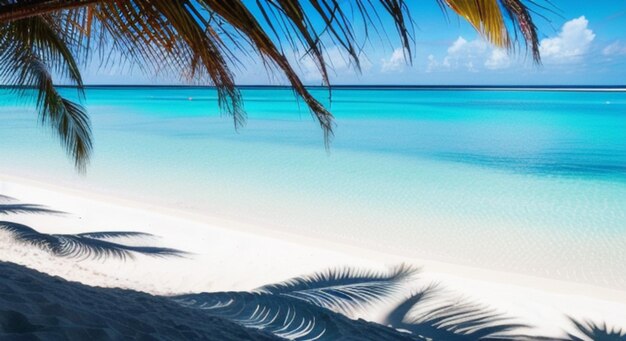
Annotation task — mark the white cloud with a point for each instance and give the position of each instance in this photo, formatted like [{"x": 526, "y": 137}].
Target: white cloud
[
  {"x": 570, "y": 45},
  {"x": 433, "y": 64},
  {"x": 462, "y": 54},
  {"x": 498, "y": 59},
  {"x": 462, "y": 49},
  {"x": 395, "y": 62},
  {"x": 615, "y": 49},
  {"x": 337, "y": 63}
]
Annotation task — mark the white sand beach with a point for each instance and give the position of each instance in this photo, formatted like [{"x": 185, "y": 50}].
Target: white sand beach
[{"x": 229, "y": 256}]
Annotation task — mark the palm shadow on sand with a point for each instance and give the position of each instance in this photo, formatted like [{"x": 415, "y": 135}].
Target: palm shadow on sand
[
  {"x": 312, "y": 307},
  {"x": 92, "y": 245}
]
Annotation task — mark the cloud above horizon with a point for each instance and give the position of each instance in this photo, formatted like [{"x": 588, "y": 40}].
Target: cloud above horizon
[
  {"x": 570, "y": 45},
  {"x": 395, "y": 63},
  {"x": 337, "y": 62},
  {"x": 469, "y": 55},
  {"x": 615, "y": 49}
]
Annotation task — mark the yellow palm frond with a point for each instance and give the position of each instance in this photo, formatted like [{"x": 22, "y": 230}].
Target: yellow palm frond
[{"x": 486, "y": 17}]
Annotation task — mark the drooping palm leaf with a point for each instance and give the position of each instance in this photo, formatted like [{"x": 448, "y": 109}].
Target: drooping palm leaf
[
  {"x": 520, "y": 16},
  {"x": 69, "y": 119},
  {"x": 345, "y": 289},
  {"x": 203, "y": 39},
  {"x": 81, "y": 246},
  {"x": 30, "y": 49},
  {"x": 596, "y": 332},
  {"x": 485, "y": 16},
  {"x": 442, "y": 319}
]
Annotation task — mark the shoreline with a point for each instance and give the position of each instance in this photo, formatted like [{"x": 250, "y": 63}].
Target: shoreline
[
  {"x": 357, "y": 251},
  {"x": 247, "y": 256}
]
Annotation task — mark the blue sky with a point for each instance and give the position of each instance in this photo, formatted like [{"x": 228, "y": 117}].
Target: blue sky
[{"x": 582, "y": 43}]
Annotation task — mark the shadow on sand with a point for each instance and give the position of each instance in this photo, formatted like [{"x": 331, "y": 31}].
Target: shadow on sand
[{"x": 33, "y": 304}]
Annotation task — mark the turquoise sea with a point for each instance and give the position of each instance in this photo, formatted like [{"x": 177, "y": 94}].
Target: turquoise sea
[{"x": 531, "y": 182}]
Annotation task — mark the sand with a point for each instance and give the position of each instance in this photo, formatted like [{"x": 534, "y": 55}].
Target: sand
[
  {"x": 229, "y": 256},
  {"x": 35, "y": 306}
]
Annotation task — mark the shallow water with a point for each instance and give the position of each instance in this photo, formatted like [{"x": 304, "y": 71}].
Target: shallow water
[{"x": 531, "y": 182}]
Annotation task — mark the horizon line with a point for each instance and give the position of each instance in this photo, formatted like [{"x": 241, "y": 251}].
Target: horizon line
[{"x": 363, "y": 86}]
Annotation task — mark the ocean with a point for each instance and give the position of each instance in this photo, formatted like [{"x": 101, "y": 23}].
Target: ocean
[{"x": 531, "y": 182}]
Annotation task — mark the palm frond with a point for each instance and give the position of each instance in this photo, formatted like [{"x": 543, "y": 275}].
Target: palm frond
[
  {"x": 28, "y": 47},
  {"x": 82, "y": 247},
  {"x": 26, "y": 208},
  {"x": 596, "y": 332},
  {"x": 287, "y": 317},
  {"x": 450, "y": 320},
  {"x": 343, "y": 289},
  {"x": 485, "y": 16},
  {"x": 44, "y": 40},
  {"x": 522, "y": 21}
]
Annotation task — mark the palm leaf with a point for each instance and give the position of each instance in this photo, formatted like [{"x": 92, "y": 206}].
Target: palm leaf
[
  {"x": 30, "y": 49},
  {"x": 343, "y": 289},
  {"x": 596, "y": 332},
  {"x": 485, "y": 16},
  {"x": 44, "y": 40},
  {"x": 69, "y": 119},
  {"x": 450, "y": 320},
  {"x": 81, "y": 246},
  {"x": 521, "y": 19}
]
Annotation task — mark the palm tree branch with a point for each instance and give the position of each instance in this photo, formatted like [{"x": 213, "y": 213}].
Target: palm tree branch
[{"x": 69, "y": 119}]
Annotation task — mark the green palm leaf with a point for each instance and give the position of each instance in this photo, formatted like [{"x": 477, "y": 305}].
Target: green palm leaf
[
  {"x": 68, "y": 119},
  {"x": 29, "y": 49}
]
